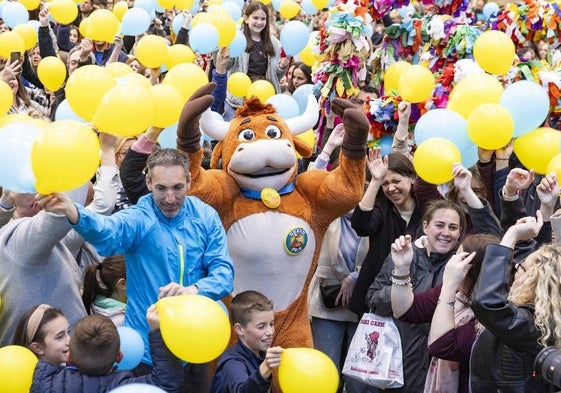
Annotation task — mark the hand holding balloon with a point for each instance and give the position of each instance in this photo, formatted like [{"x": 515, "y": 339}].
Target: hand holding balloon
[{"x": 271, "y": 362}]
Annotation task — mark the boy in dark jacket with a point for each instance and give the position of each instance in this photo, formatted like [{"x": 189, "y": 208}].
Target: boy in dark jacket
[
  {"x": 93, "y": 353},
  {"x": 247, "y": 367}
]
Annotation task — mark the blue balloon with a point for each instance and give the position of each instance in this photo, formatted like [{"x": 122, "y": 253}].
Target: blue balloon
[
  {"x": 135, "y": 21},
  {"x": 239, "y": 3},
  {"x": 470, "y": 156},
  {"x": 14, "y": 13},
  {"x": 285, "y": 105},
  {"x": 385, "y": 145},
  {"x": 33, "y": 23},
  {"x": 308, "y": 7},
  {"x": 203, "y": 38},
  {"x": 65, "y": 112},
  {"x": 490, "y": 10},
  {"x": 158, "y": 8},
  {"x": 137, "y": 388},
  {"x": 147, "y": 5},
  {"x": 132, "y": 347},
  {"x": 233, "y": 9},
  {"x": 177, "y": 23},
  {"x": 276, "y": 4},
  {"x": 16, "y": 142},
  {"x": 195, "y": 8},
  {"x": 221, "y": 304},
  {"x": 168, "y": 137},
  {"x": 294, "y": 37},
  {"x": 238, "y": 44},
  {"x": 528, "y": 104},
  {"x": 301, "y": 94},
  {"x": 443, "y": 123}
]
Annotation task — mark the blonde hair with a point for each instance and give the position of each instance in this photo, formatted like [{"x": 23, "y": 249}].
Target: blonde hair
[{"x": 542, "y": 288}]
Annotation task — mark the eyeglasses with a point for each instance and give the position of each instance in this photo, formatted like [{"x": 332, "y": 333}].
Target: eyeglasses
[{"x": 519, "y": 266}]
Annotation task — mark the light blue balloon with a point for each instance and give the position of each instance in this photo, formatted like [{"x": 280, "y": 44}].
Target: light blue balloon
[
  {"x": 239, "y": 3},
  {"x": 301, "y": 96},
  {"x": 14, "y": 13},
  {"x": 470, "y": 156},
  {"x": 276, "y": 4},
  {"x": 285, "y": 105},
  {"x": 233, "y": 9},
  {"x": 159, "y": 8},
  {"x": 195, "y": 8},
  {"x": 168, "y": 137},
  {"x": 177, "y": 23},
  {"x": 137, "y": 388},
  {"x": 490, "y": 10},
  {"x": 135, "y": 21},
  {"x": 528, "y": 105},
  {"x": 65, "y": 112},
  {"x": 148, "y": 5},
  {"x": 16, "y": 142},
  {"x": 308, "y": 7},
  {"x": 203, "y": 38},
  {"x": 443, "y": 123},
  {"x": 294, "y": 37},
  {"x": 238, "y": 44},
  {"x": 223, "y": 306},
  {"x": 33, "y": 23},
  {"x": 132, "y": 346},
  {"x": 385, "y": 145}
]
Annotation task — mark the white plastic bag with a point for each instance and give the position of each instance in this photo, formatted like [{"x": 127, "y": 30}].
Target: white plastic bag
[{"x": 375, "y": 355}]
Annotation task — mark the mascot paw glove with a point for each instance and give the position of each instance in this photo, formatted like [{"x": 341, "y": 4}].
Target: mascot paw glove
[{"x": 188, "y": 132}]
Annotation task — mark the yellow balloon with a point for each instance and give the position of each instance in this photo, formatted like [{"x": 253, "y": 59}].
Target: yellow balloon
[
  {"x": 214, "y": 3},
  {"x": 166, "y": 4},
  {"x": 434, "y": 158},
  {"x": 307, "y": 56},
  {"x": 201, "y": 17},
  {"x": 28, "y": 33},
  {"x": 320, "y": 4},
  {"x": 238, "y": 83},
  {"x": 119, "y": 9},
  {"x": 17, "y": 365},
  {"x": 10, "y": 41},
  {"x": 186, "y": 78},
  {"x": 416, "y": 84},
  {"x": 266, "y": 2},
  {"x": 84, "y": 27},
  {"x": 51, "y": 72},
  {"x": 118, "y": 69},
  {"x": 184, "y": 4},
  {"x": 63, "y": 11},
  {"x": 127, "y": 109},
  {"x": 6, "y": 97},
  {"x": 393, "y": 74},
  {"x": 289, "y": 9},
  {"x": 86, "y": 87},
  {"x": 309, "y": 137},
  {"x": 195, "y": 328},
  {"x": 151, "y": 50},
  {"x": 168, "y": 105},
  {"x": 30, "y": 5},
  {"x": 64, "y": 146},
  {"x": 178, "y": 54},
  {"x": 103, "y": 25},
  {"x": 490, "y": 126},
  {"x": 474, "y": 90},
  {"x": 554, "y": 166},
  {"x": 307, "y": 370},
  {"x": 494, "y": 52},
  {"x": 261, "y": 89},
  {"x": 135, "y": 78},
  {"x": 536, "y": 148},
  {"x": 224, "y": 24}
]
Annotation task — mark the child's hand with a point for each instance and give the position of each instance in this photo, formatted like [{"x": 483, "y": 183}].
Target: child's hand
[
  {"x": 272, "y": 361},
  {"x": 153, "y": 317}
]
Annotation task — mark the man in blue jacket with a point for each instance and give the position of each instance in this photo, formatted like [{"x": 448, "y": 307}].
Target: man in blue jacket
[{"x": 173, "y": 245}]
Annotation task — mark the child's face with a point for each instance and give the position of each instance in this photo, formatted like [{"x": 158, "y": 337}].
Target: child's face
[
  {"x": 258, "y": 333},
  {"x": 256, "y": 22},
  {"x": 55, "y": 345}
]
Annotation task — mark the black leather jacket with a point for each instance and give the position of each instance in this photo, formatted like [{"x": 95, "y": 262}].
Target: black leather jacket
[{"x": 503, "y": 354}]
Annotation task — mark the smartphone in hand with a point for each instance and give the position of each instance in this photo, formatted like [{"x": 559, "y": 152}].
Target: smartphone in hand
[{"x": 15, "y": 57}]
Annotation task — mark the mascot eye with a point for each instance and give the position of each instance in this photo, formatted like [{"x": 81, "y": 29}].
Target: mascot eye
[
  {"x": 273, "y": 132},
  {"x": 246, "y": 135}
]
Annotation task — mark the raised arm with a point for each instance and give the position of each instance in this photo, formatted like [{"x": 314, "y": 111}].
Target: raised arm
[{"x": 401, "y": 290}]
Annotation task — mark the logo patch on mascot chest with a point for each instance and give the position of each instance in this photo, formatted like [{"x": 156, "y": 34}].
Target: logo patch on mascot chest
[{"x": 295, "y": 241}]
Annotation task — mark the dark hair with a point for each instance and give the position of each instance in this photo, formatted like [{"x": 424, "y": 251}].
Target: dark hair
[
  {"x": 306, "y": 69},
  {"x": 167, "y": 158},
  {"x": 370, "y": 89},
  {"x": 446, "y": 204},
  {"x": 400, "y": 164},
  {"x": 94, "y": 345},
  {"x": 247, "y": 302},
  {"x": 101, "y": 279},
  {"x": 476, "y": 243},
  {"x": 266, "y": 42},
  {"x": 20, "y": 335}
]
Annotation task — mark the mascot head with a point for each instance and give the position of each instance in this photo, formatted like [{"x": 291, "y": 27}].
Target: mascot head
[{"x": 257, "y": 147}]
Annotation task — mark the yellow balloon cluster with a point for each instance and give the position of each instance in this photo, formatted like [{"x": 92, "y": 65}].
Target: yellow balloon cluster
[
  {"x": 184, "y": 4},
  {"x": 151, "y": 50},
  {"x": 30, "y": 5},
  {"x": 416, "y": 84},
  {"x": 238, "y": 83},
  {"x": 434, "y": 158},
  {"x": 64, "y": 156},
  {"x": 289, "y": 9},
  {"x": 86, "y": 87},
  {"x": 186, "y": 78},
  {"x": 51, "y": 72},
  {"x": 6, "y": 97},
  {"x": 474, "y": 90},
  {"x": 490, "y": 126},
  {"x": 494, "y": 52},
  {"x": 102, "y": 25},
  {"x": 261, "y": 89},
  {"x": 63, "y": 11},
  {"x": 307, "y": 370},
  {"x": 28, "y": 33},
  {"x": 119, "y": 9},
  {"x": 10, "y": 41},
  {"x": 554, "y": 165},
  {"x": 178, "y": 54},
  {"x": 537, "y": 148},
  {"x": 17, "y": 365},
  {"x": 168, "y": 105},
  {"x": 194, "y": 327},
  {"x": 393, "y": 75},
  {"x": 224, "y": 24},
  {"x": 118, "y": 69}
]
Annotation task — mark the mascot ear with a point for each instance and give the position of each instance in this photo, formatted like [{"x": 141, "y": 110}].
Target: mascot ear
[
  {"x": 216, "y": 155},
  {"x": 302, "y": 147}
]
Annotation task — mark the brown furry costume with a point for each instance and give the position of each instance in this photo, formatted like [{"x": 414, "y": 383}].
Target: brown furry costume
[{"x": 274, "y": 249}]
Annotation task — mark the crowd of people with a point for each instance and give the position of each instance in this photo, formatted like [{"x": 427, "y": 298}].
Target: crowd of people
[{"x": 469, "y": 270}]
